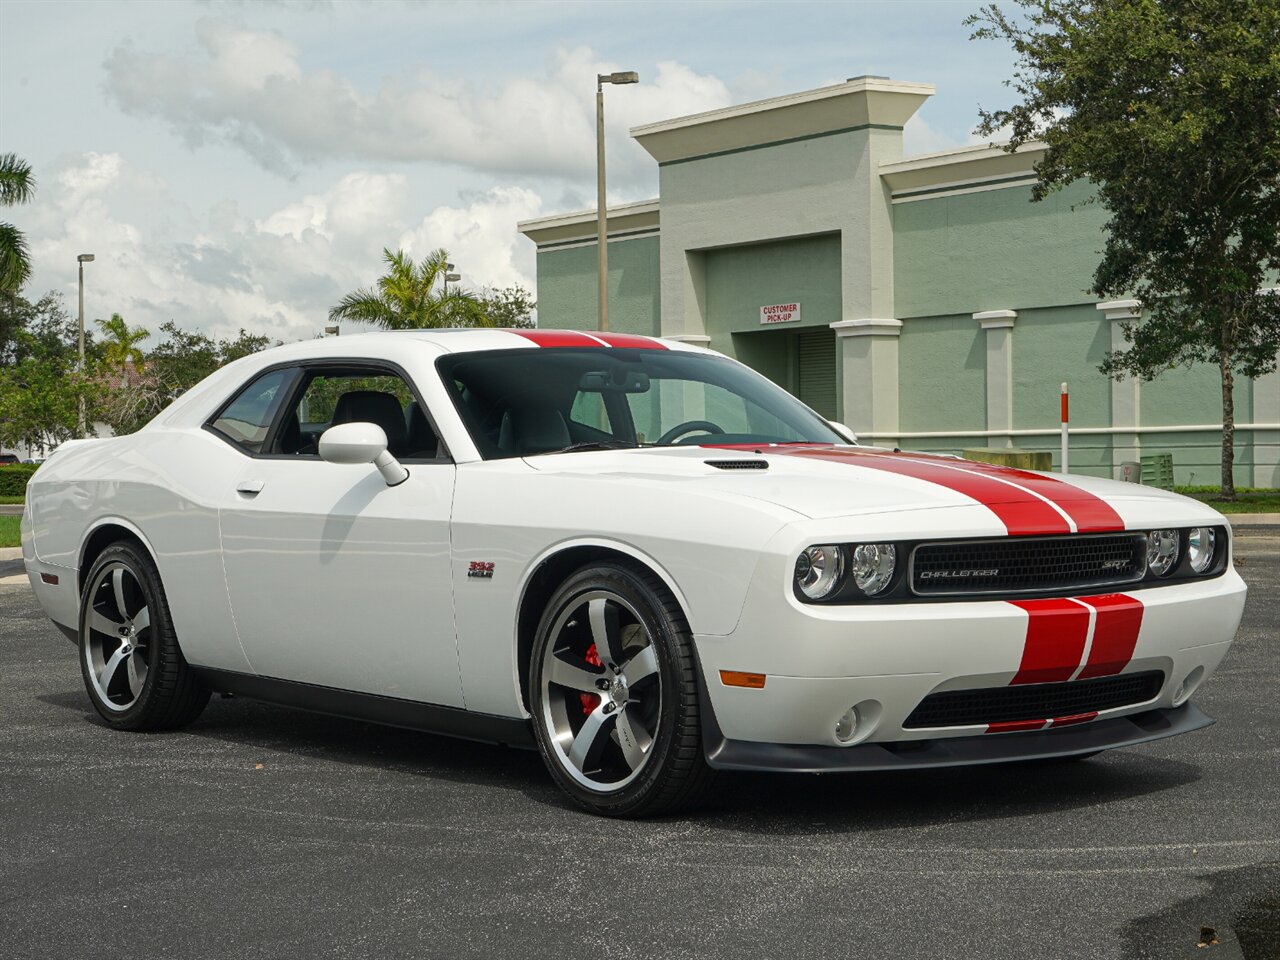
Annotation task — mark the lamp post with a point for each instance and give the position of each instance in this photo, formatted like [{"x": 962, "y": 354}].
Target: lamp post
[
  {"x": 82, "y": 259},
  {"x": 450, "y": 277},
  {"x": 602, "y": 252}
]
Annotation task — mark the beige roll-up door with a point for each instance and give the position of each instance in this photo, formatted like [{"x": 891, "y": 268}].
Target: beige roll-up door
[{"x": 817, "y": 382}]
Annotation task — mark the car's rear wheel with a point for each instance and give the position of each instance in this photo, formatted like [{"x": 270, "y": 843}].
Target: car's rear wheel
[
  {"x": 133, "y": 668},
  {"x": 614, "y": 692}
]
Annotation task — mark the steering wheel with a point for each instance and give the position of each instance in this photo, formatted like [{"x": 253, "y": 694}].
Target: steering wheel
[{"x": 680, "y": 429}]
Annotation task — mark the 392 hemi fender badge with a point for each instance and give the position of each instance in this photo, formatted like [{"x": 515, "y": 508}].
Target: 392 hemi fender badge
[{"x": 480, "y": 569}]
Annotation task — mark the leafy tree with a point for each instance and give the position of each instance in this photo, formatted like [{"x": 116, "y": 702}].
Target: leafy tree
[
  {"x": 183, "y": 358},
  {"x": 40, "y": 402},
  {"x": 120, "y": 346},
  {"x": 178, "y": 363},
  {"x": 17, "y": 185},
  {"x": 412, "y": 296},
  {"x": 507, "y": 306},
  {"x": 1171, "y": 109}
]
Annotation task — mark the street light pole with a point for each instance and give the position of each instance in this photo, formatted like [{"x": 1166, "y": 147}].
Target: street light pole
[
  {"x": 82, "y": 259},
  {"x": 602, "y": 248}
]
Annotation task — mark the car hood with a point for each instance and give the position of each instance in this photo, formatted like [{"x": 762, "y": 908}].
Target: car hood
[{"x": 822, "y": 481}]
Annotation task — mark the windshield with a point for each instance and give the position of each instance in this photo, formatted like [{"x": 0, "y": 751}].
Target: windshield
[{"x": 521, "y": 402}]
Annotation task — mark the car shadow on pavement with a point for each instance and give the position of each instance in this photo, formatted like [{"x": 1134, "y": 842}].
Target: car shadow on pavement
[{"x": 796, "y": 804}]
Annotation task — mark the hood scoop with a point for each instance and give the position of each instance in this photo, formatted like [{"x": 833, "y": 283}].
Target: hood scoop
[{"x": 738, "y": 464}]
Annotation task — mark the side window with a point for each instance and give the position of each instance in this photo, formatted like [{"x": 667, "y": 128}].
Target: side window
[
  {"x": 332, "y": 396},
  {"x": 246, "y": 419}
]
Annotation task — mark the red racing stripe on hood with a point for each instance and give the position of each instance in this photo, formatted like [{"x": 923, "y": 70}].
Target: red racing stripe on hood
[
  {"x": 1021, "y": 512},
  {"x": 1026, "y": 503},
  {"x": 1090, "y": 513},
  {"x": 1057, "y": 630},
  {"x": 1118, "y": 619}
]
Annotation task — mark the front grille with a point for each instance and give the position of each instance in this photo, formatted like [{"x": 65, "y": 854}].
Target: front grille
[
  {"x": 1028, "y": 564},
  {"x": 1034, "y": 701}
]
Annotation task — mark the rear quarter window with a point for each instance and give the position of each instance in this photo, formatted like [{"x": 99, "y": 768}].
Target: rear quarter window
[{"x": 247, "y": 418}]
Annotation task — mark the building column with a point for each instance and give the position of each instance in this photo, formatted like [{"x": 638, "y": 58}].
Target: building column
[
  {"x": 998, "y": 326},
  {"x": 869, "y": 374},
  {"x": 1126, "y": 394}
]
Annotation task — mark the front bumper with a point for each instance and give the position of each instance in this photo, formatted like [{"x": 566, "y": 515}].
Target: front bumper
[
  {"x": 821, "y": 661},
  {"x": 957, "y": 751}
]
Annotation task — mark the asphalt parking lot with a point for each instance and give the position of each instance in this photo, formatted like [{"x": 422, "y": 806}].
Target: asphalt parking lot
[{"x": 260, "y": 832}]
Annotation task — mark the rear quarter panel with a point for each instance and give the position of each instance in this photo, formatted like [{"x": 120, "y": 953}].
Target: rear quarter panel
[{"x": 164, "y": 485}]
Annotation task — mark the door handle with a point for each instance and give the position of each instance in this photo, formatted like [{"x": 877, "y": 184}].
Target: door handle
[{"x": 250, "y": 488}]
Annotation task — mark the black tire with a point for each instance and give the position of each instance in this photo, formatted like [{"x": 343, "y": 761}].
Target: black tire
[
  {"x": 137, "y": 678},
  {"x": 673, "y": 774}
]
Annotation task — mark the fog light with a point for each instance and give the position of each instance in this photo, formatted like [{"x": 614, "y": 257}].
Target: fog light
[
  {"x": 1188, "y": 686},
  {"x": 847, "y": 725}
]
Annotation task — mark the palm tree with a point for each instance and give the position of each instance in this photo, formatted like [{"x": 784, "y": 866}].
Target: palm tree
[
  {"x": 412, "y": 296},
  {"x": 119, "y": 346},
  {"x": 16, "y": 186}
]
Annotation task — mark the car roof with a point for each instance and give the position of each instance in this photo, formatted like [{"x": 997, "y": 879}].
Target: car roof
[
  {"x": 469, "y": 339},
  {"x": 434, "y": 343}
]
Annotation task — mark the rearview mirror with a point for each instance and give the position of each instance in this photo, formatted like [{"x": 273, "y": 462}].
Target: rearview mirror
[
  {"x": 350, "y": 443},
  {"x": 601, "y": 381}
]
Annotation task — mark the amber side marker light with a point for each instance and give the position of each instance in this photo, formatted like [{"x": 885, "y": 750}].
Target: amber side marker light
[{"x": 736, "y": 678}]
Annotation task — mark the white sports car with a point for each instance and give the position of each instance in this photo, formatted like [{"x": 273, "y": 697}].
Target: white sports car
[{"x": 639, "y": 555}]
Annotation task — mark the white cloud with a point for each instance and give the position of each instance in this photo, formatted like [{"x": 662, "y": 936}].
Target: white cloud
[
  {"x": 247, "y": 88},
  {"x": 919, "y": 137},
  {"x": 220, "y": 270}
]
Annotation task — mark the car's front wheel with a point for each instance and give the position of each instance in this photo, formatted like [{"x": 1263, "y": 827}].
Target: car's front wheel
[
  {"x": 133, "y": 669},
  {"x": 614, "y": 694}
]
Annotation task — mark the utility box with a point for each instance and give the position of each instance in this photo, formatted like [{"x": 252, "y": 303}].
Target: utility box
[
  {"x": 1129, "y": 471},
  {"x": 1012, "y": 457},
  {"x": 1157, "y": 470}
]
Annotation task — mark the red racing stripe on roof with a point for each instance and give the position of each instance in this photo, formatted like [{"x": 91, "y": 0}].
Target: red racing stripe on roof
[
  {"x": 630, "y": 340},
  {"x": 1022, "y": 512},
  {"x": 1118, "y": 619},
  {"x": 1057, "y": 630},
  {"x": 558, "y": 338}
]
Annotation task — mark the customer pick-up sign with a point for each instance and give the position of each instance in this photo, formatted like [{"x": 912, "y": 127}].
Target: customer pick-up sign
[{"x": 780, "y": 313}]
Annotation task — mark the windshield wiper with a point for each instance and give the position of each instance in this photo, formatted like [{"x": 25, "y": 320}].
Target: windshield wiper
[{"x": 597, "y": 445}]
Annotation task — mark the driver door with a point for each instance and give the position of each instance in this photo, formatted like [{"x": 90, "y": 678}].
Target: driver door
[{"x": 336, "y": 579}]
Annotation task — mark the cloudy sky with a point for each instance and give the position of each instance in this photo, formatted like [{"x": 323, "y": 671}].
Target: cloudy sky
[{"x": 243, "y": 164}]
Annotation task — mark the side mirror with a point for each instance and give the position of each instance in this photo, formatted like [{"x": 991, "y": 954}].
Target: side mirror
[
  {"x": 362, "y": 443},
  {"x": 844, "y": 431}
]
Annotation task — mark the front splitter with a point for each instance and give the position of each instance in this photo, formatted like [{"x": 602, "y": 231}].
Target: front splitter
[{"x": 958, "y": 751}]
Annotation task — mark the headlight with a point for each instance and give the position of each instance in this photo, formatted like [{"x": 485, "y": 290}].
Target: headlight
[
  {"x": 1200, "y": 548},
  {"x": 819, "y": 571},
  {"x": 1162, "y": 551},
  {"x": 873, "y": 565}
]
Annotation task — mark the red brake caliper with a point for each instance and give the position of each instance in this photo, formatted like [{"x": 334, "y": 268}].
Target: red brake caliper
[{"x": 591, "y": 700}]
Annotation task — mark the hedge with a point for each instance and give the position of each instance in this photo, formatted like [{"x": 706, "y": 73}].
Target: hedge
[{"x": 13, "y": 479}]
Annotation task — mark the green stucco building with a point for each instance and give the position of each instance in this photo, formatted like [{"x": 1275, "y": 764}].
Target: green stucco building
[{"x": 925, "y": 301}]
